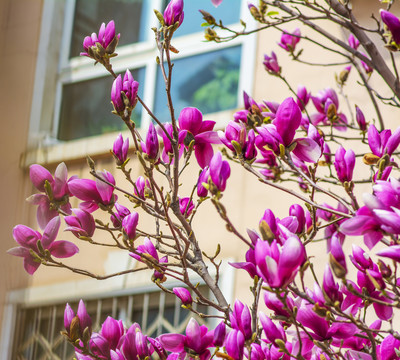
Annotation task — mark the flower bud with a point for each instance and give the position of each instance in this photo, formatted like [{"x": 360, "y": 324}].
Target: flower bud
[
  {"x": 360, "y": 118},
  {"x": 68, "y": 316},
  {"x": 219, "y": 171},
  {"x": 151, "y": 147},
  {"x": 112, "y": 330},
  {"x": 271, "y": 64},
  {"x": 219, "y": 334},
  {"x": 183, "y": 294},
  {"x": 129, "y": 224},
  {"x": 120, "y": 149},
  {"x": 84, "y": 319},
  {"x": 174, "y": 12}
]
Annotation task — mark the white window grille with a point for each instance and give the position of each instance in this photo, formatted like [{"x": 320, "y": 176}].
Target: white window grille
[{"x": 37, "y": 331}]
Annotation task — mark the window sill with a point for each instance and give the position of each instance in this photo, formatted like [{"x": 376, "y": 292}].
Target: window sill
[{"x": 95, "y": 146}]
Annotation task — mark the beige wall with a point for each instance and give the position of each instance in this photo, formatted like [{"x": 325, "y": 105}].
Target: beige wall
[{"x": 20, "y": 26}]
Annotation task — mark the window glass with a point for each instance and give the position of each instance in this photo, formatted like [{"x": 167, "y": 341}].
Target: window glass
[
  {"x": 208, "y": 81},
  {"x": 86, "y": 108},
  {"x": 229, "y": 11},
  {"x": 130, "y": 16}
]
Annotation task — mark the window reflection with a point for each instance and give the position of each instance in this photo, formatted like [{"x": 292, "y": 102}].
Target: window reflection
[
  {"x": 86, "y": 108},
  {"x": 207, "y": 81},
  {"x": 130, "y": 17},
  {"x": 229, "y": 11}
]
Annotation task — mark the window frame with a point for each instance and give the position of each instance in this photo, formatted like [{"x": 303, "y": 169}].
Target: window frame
[
  {"x": 43, "y": 145},
  {"x": 89, "y": 289}
]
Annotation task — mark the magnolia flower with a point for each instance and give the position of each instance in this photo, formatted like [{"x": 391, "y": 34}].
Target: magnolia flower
[
  {"x": 193, "y": 128},
  {"x": 278, "y": 265},
  {"x": 271, "y": 64},
  {"x": 240, "y": 319},
  {"x": 56, "y": 194},
  {"x": 393, "y": 24},
  {"x": 105, "y": 40},
  {"x": 31, "y": 251},
  {"x": 196, "y": 341},
  {"x": 173, "y": 13},
  {"x": 151, "y": 146},
  {"x": 383, "y": 142},
  {"x": 76, "y": 325},
  {"x": 94, "y": 192},
  {"x": 129, "y": 224},
  {"x": 219, "y": 171},
  {"x": 344, "y": 164},
  {"x": 290, "y": 40},
  {"x": 82, "y": 224},
  {"x": 120, "y": 149},
  {"x": 129, "y": 87},
  {"x": 183, "y": 294}
]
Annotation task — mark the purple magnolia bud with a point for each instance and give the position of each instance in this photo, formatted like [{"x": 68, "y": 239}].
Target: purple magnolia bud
[
  {"x": 353, "y": 42},
  {"x": 393, "y": 24},
  {"x": 118, "y": 216},
  {"x": 290, "y": 40},
  {"x": 173, "y": 13},
  {"x": 234, "y": 345},
  {"x": 330, "y": 287},
  {"x": 241, "y": 319},
  {"x": 68, "y": 316},
  {"x": 298, "y": 212},
  {"x": 337, "y": 258},
  {"x": 112, "y": 330},
  {"x": 287, "y": 120},
  {"x": 105, "y": 40},
  {"x": 159, "y": 275},
  {"x": 129, "y": 224},
  {"x": 271, "y": 330},
  {"x": 344, "y": 164},
  {"x": 186, "y": 206},
  {"x": 159, "y": 349},
  {"x": 99, "y": 346},
  {"x": 183, "y": 294},
  {"x": 219, "y": 334},
  {"x": 360, "y": 118},
  {"x": 368, "y": 69},
  {"x": 84, "y": 319},
  {"x": 151, "y": 146},
  {"x": 360, "y": 258},
  {"x": 203, "y": 178},
  {"x": 129, "y": 87},
  {"x": 128, "y": 347},
  {"x": 191, "y": 119},
  {"x": 303, "y": 97},
  {"x": 141, "y": 346},
  {"x": 219, "y": 171},
  {"x": 273, "y": 303},
  {"x": 271, "y": 64},
  {"x": 120, "y": 149}
]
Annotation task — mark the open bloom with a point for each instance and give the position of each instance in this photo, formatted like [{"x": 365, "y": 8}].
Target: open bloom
[
  {"x": 383, "y": 142},
  {"x": 278, "y": 265},
  {"x": 196, "y": 341},
  {"x": 82, "y": 224},
  {"x": 94, "y": 192},
  {"x": 194, "y": 128},
  {"x": 55, "y": 196},
  {"x": 29, "y": 239}
]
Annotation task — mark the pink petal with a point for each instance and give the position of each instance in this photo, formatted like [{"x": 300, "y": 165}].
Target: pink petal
[
  {"x": 30, "y": 265},
  {"x": 50, "y": 232},
  {"x": 204, "y": 153},
  {"x": 307, "y": 150},
  {"x": 172, "y": 342},
  {"x": 216, "y": 3},
  {"x": 63, "y": 249}
]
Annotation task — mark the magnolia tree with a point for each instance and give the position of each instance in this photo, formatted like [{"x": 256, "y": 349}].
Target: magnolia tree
[{"x": 297, "y": 140}]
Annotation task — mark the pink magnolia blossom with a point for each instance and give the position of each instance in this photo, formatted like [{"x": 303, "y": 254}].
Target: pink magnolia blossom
[{"x": 28, "y": 240}]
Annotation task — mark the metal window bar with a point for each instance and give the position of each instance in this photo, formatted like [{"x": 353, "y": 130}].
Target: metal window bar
[{"x": 37, "y": 330}]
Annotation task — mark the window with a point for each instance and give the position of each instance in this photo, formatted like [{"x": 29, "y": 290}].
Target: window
[
  {"x": 75, "y": 103},
  {"x": 38, "y": 337}
]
